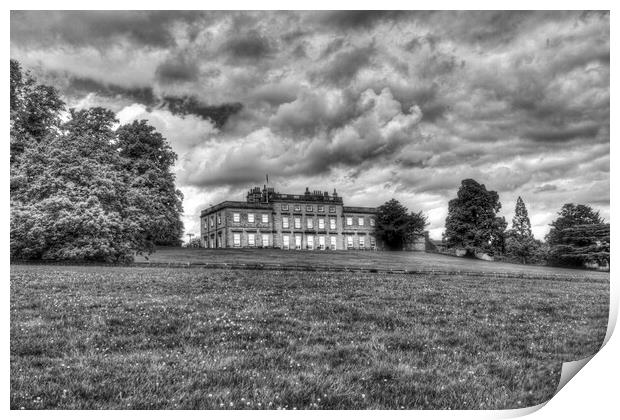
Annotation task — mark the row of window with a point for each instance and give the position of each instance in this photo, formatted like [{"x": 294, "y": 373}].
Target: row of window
[
  {"x": 297, "y": 221},
  {"x": 309, "y": 223},
  {"x": 321, "y": 242},
  {"x": 309, "y": 207}
]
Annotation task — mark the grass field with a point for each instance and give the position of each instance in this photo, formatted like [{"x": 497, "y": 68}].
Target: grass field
[
  {"x": 361, "y": 259},
  {"x": 143, "y": 338}
]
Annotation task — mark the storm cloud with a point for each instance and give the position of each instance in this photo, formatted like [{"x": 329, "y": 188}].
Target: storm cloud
[{"x": 377, "y": 104}]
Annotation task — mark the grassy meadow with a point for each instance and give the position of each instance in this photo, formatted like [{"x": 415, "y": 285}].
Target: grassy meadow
[{"x": 162, "y": 338}]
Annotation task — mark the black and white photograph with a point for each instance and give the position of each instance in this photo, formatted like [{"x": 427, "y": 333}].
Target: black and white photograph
[{"x": 306, "y": 210}]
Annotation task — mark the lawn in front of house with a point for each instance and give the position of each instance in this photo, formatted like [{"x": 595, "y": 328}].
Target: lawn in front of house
[{"x": 158, "y": 338}]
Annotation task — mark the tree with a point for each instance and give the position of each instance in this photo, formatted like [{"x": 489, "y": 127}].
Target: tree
[
  {"x": 578, "y": 236},
  {"x": 68, "y": 197},
  {"x": 34, "y": 110},
  {"x": 148, "y": 158},
  {"x": 520, "y": 242},
  {"x": 472, "y": 222},
  {"x": 81, "y": 190},
  {"x": 396, "y": 227}
]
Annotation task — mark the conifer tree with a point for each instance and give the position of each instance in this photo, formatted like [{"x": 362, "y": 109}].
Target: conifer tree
[
  {"x": 579, "y": 235},
  {"x": 520, "y": 243},
  {"x": 521, "y": 225}
]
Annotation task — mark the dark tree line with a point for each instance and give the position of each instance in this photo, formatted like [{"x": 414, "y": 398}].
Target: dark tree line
[
  {"x": 577, "y": 237},
  {"x": 81, "y": 189}
]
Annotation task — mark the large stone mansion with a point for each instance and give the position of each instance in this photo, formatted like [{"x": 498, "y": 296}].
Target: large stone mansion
[{"x": 267, "y": 219}]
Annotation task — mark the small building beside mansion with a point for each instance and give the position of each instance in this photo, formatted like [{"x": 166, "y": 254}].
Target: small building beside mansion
[{"x": 267, "y": 219}]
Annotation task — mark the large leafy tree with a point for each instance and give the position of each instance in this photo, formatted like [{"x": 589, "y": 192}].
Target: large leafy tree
[
  {"x": 396, "y": 227},
  {"x": 520, "y": 242},
  {"x": 80, "y": 189},
  {"x": 472, "y": 222},
  {"x": 69, "y": 198},
  {"x": 148, "y": 158},
  {"x": 579, "y": 235}
]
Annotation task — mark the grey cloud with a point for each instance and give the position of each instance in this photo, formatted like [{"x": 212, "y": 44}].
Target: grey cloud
[
  {"x": 545, "y": 188},
  {"x": 178, "y": 69},
  {"x": 184, "y": 105},
  {"x": 79, "y": 86},
  {"x": 358, "y": 19},
  {"x": 178, "y": 105},
  {"x": 275, "y": 94},
  {"x": 293, "y": 35},
  {"x": 345, "y": 65},
  {"x": 333, "y": 47},
  {"x": 97, "y": 28},
  {"x": 311, "y": 114},
  {"x": 251, "y": 46},
  {"x": 555, "y": 134}
]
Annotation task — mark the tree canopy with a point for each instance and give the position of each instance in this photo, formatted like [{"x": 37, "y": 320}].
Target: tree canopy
[
  {"x": 472, "y": 222},
  {"x": 148, "y": 158},
  {"x": 395, "y": 227},
  {"x": 34, "y": 110},
  {"x": 84, "y": 191},
  {"x": 578, "y": 236}
]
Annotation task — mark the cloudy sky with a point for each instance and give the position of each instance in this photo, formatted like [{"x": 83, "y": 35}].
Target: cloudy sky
[{"x": 375, "y": 104}]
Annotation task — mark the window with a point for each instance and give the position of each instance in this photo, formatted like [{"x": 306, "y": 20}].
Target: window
[
  {"x": 236, "y": 217},
  {"x": 265, "y": 240},
  {"x": 332, "y": 241},
  {"x": 298, "y": 223},
  {"x": 321, "y": 209},
  {"x": 219, "y": 218},
  {"x": 372, "y": 221},
  {"x": 206, "y": 224},
  {"x": 362, "y": 242},
  {"x": 321, "y": 223},
  {"x": 349, "y": 221},
  {"x": 309, "y": 208},
  {"x": 285, "y": 222},
  {"x": 297, "y": 207},
  {"x": 284, "y": 207},
  {"x": 212, "y": 221},
  {"x": 285, "y": 242},
  {"x": 360, "y": 221},
  {"x": 373, "y": 243},
  {"x": 310, "y": 242},
  {"x": 237, "y": 239},
  {"x": 332, "y": 209},
  {"x": 332, "y": 223},
  {"x": 265, "y": 218},
  {"x": 309, "y": 222},
  {"x": 350, "y": 242},
  {"x": 251, "y": 239},
  {"x": 321, "y": 242},
  {"x": 297, "y": 241},
  {"x": 251, "y": 217}
]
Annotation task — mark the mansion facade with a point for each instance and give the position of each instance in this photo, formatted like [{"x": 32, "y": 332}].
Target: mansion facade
[{"x": 267, "y": 219}]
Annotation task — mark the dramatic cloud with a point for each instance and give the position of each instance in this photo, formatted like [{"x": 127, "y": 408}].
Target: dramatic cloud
[{"x": 378, "y": 105}]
